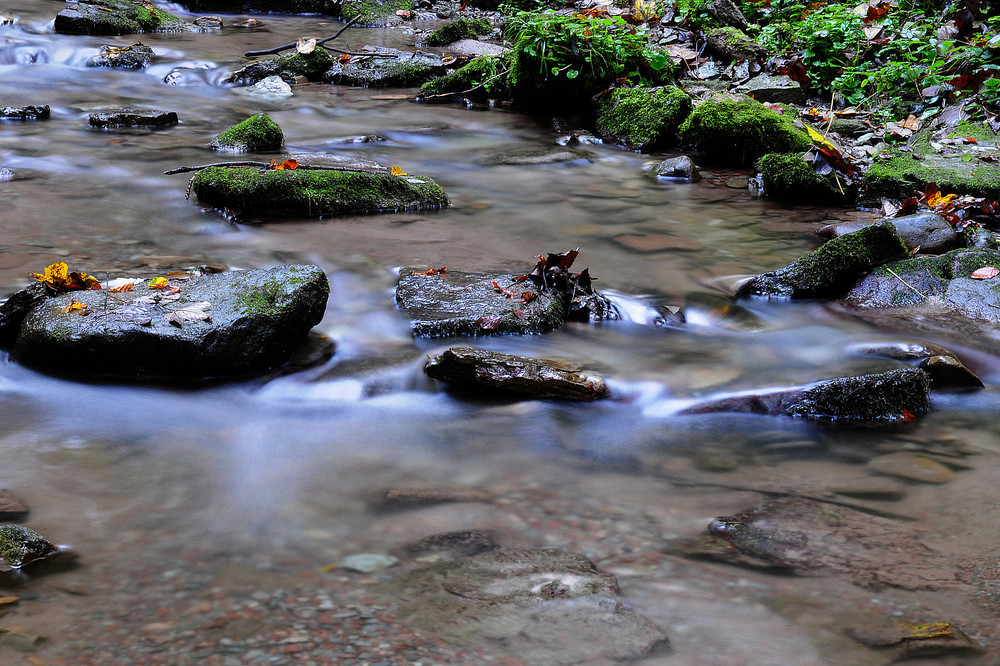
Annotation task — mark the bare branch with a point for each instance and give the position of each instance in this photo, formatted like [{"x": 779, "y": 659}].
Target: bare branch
[
  {"x": 285, "y": 47},
  {"x": 265, "y": 165}
]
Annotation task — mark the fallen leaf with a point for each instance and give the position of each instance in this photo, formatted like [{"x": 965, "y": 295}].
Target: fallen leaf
[
  {"x": 911, "y": 123},
  {"x": 158, "y": 283},
  {"x": 528, "y": 296},
  {"x": 74, "y": 305},
  {"x": 488, "y": 322},
  {"x": 985, "y": 273},
  {"x": 344, "y": 58},
  {"x": 435, "y": 271},
  {"x": 509, "y": 293},
  {"x": 520, "y": 314},
  {"x": 305, "y": 45},
  {"x": 906, "y": 414},
  {"x": 191, "y": 312},
  {"x": 396, "y": 171},
  {"x": 119, "y": 285},
  {"x": 404, "y": 13},
  {"x": 58, "y": 278}
]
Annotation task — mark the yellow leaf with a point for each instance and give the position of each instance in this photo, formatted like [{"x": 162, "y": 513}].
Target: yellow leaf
[
  {"x": 820, "y": 139},
  {"x": 74, "y": 305},
  {"x": 58, "y": 278},
  {"x": 54, "y": 273},
  {"x": 158, "y": 283},
  {"x": 396, "y": 171}
]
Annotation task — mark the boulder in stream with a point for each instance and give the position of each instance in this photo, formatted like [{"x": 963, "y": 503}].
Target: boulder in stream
[
  {"x": 135, "y": 56},
  {"x": 943, "y": 366},
  {"x": 927, "y": 232},
  {"x": 831, "y": 270},
  {"x": 255, "y": 134},
  {"x": 304, "y": 192},
  {"x": 310, "y": 65},
  {"x": 643, "y": 118},
  {"x": 133, "y": 118},
  {"x": 198, "y": 327},
  {"x": 676, "y": 167},
  {"x": 521, "y": 376},
  {"x": 789, "y": 177},
  {"x": 539, "y": 603},
  {"x": 40, "y": 112},
  {"x": 480, "y": 79},
  {"x": 386, "y": 68},
  {"x": 463, "y": 28},
  {"x": 115, "y": 17},
  {"x": 22, "y": 548}
]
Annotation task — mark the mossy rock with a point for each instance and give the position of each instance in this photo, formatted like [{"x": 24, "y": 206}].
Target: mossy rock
[
  {"x": 373, "y": 12},
  {"x": 462, "y": 28},
  {"x": 404, "y": 70},
  {"x": 314, "y": 192},
  {"x": 471, "y": 81},
  {"x": 20, "y": 545},
  {"x": 309, "y": 65},
  {"x": 255, "y": 134},
  {"x": 643, "y": 118},
  {"x": 115, "y": 17},
  {"x": 136, "y": 56},
  {"x": 733, "y": 44},
  {"x": 903, "y": 172},
  {"x": 832, "y": 269},
  {"x": 790, "y": 178},
  {"x": 739, "y": 129},
  {"x": 325, "y": 7}
]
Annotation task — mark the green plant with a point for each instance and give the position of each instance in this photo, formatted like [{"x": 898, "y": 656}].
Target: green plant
[{"x": 833, "y": 36}]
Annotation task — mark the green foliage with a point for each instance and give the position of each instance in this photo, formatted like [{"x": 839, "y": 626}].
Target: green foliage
[
  {"x": 833, "y": 37},
  {"x": 481, "y": 78}
]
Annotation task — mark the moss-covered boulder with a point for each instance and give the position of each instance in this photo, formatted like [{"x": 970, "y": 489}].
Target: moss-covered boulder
[
  {"x": 643, "y": 118},
  {"x": 20, "y": 545},
  {"x": 733, "y": 44},
  {"x": 738, "y": 129},
  {"x": 788, "y": 177},
  {"x": 115, "y": 17},
  {"x": 307, "y": 192},
  {"x": 215, "y": 325},
  {"x": 462, "y": 28},
  {"x": 832, "y": 269},
  {"x": 310, "y": 65},
  {"x": 255, "y": 134},
  {"x": 136, "y": 56},
  {"x": 326, "y": 7},
  {"x": 373, "y": 12},
  {"x": 397, "y": 69},
  {"x": 480, "y": 79},
  {"x": 454, "y": 303}
]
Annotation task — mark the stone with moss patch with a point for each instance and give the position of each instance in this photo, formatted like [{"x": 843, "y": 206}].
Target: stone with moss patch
[
  {"x": 20, "y": 545},
  {"x": 790, "y": 178},
  {"x": 462, "y": 28},
  {"x": 480, "y": 79},
  {"x": 311, "y": 66},
  {"x": 314, "y": 192},
  {"x": 256, "y": 133},
  {"x": 403, "y": 70},
  {"x": 115, "y": 17},
  {"x": 740, "y": 130},
  {"x": 373, "y": 12},
  {"x": 136, "y": 56},
  {"x": 733, "y": 44},
  {"x": 643, "y": 118},
  {"x": 832, "y": 269}
]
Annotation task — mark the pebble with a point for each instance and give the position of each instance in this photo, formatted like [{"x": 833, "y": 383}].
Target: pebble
[{"x": 911, "y": 466}]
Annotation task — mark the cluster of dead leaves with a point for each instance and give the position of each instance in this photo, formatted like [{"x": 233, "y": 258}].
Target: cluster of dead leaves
[
  {"x": 287, "y": 165},
  {"x": 58, "y": 279},
  {"x": 960, "y": 211}
]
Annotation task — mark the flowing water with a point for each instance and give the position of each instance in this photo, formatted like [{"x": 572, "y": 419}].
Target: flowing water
[{"x": 278, "y": 473}]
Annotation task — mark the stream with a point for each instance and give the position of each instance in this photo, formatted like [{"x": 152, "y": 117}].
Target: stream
[{"x": 188, "y": 505}]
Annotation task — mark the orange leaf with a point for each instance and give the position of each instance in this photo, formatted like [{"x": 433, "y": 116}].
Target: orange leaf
[
  {"x": 396, "y": 171},
  {"x": 906, "y": 414},
  {"x": 74, "y": 305},
  {"x": 985, "y": 273},
  {"x": 119, "y": 289},
  {"x": 911, "y": 123},
  {"x": 528, "y": 296},
  {"x": 344, "y": 58},
  {"x": 436, "y": 271},
  {"x": 58, "y": 278},
  {"x": 158, "y": 283}
]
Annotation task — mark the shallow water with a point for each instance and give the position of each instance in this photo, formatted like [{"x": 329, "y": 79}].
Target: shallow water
[{"x": 283, "y": 468}]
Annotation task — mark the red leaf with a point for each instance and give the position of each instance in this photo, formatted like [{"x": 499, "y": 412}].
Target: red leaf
[
  {"x": 528, "y": 296},
  {"x": 520, "y": 314},
  {"x": 985, "y": 273},
  {"x": 906, "y": 414},
  {"x": 488, "y": 322}
]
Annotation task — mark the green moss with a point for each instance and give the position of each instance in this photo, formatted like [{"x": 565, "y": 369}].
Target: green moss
[
  {"x": 739, "y": 129},
  {"x": 115, "y": 17},
  {"x": 462, "y": 28},
  {"x": 790, "y": 178},
  {"x": 303, "y": 192},
  {"x": 643, "y": 118},
  {"x": 373, "y": 12},
  {"x": 269, "y": 299},
  {"x": 473, "y": 77},
  {"x": 20, "y": 545},
  {"x": 256, "y": 133}
]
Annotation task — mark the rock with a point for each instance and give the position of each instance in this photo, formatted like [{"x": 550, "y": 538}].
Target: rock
[
  {"x": 464, "y": 543},
  {"x": 979, "y": 238},
  {"x": 25, "y": 112},
  {"x": 15, "y": 308},
  {"x": 643, "y": 118},
  {"x": 733, "y": 44},
  {"x": 911, "y": 640},
  {"x": 368, "y": 562},
  {"x": 127, "y": 118},
  {"x": 314, "y": 192},
  {"x": 832, "y": 269},
  {"x": 271, "y": 87},
  {"x": 255, "y": 134},
  {"x": 945, "y": 370},
  {"x": 209, "y": 22},
  {"x": 115, "y": 17},
  {"x": 536, "y": 155},
  {"x": 400, "y": 499},
  {"x": 289, "y": 67},
  {"x": 456, "y": 303},
  {"x": 218, "y": 325},
  {"x": 676, "y": 167},
  {"x": 911, "y": 466},
  {"x": 537, "y": 603},
  {"x": 6, "y": 174},
  {"x": 773, "y": 89},
  {"x": 406, "y": 69},
  {"x": 20, "y": 641},
  {"x": 374, "y": 12},
  {"x": 788, "y": 177},
  {"x": 727, "y": 13},
  {"x": 797, "y": 534},
  {"x": 136, "y": 56},
  {"x": 516, "y": 375},
  {"x": 928, "y": 232},
  {"x": 11, "y": 508},
  {"x": 462, "y": 28},
  {"x": 20, "y": 546},
  {"x": 473, "y": 48},
  {"x": 480, "y": 79},
  {"x": 325, "y": 7},
  {"x": 739, "y": 130},
  {"x": 849, "y": 128},
  {"x": 886, "y": 397}
]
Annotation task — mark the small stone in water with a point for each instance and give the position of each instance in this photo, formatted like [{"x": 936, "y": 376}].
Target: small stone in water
[
  {"x": 368, "y": 562},
  {"x": 911, "y": 466}
]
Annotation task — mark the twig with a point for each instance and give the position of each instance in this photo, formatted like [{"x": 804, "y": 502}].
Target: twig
[
  {"x": 923, "y": 295},
  {"x": 285, "y": 47},
  {"x": 373, "y": 54},
  {"x": 477, "y": 87},
  {"x": 264, "y": 165}
]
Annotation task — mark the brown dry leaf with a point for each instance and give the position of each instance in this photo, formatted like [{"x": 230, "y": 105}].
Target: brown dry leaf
[
  {"x": 682, "y": 52},
  {"x": 191, "y": 312},
  {"x": 985, "y": 273},
  {"x": 911, "y": 123}
]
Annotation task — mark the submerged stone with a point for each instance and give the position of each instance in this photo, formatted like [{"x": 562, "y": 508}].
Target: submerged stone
[
  {"x": 304, "y": 192},
  {"x": 136, "y": 56},
  {"x": 310, "y": 65},
  {"x": 11, "y": 508},
  {"x": 536, "y": 155},
  {"x": 25, "y": 112},
  {"x": 676, "y": 167},
  {"x": 831, "y": 270},
  {"x": 125, "y": 118},
  {"x": 516, "y": 375},
  {"x": 217, "y": 325},
  {"x": 255, "y": 134},
  {"x": 400, "y": 69},
  {"x": 115, "y": 17},
  {"x": 455, "y": 303},
  {"x": 912, "y": 467},
  {"x": 643, "y": 118},
  {"x": 945, "y": 369},
  {"x": 462, "y": 28}
]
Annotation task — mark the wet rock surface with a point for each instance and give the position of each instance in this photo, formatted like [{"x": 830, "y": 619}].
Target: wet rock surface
[
  {"x": 943, "y": 366},
  {"x": 385, "y": 68},
  {"x": 676, "y": 167},
  {"x": 508, "y": 374},
  {"x": 538, "y": 603},
  {"x": 456, "y": 303},
  {"x": 40, "y": 112},
  {"x": 539, "y": 155},
  {"x": 223, "y": 324},
  {"x": 256, "y": 133},
  {"x": 288, "y": 67},
  {"x": 11, "y": 508},
  {"x": 924, "y": 232},
  {"x": 133, "y": 118},
  {"x": 136, "y": 56},
  {"x": 115, "y": 17}
]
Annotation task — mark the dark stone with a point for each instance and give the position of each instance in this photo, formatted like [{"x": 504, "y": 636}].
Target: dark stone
[
  {"x": 676, "y": 167},
  {"x": 773, "y": 89},
  {"x": 849, "y": 128},
  {"x": 727, "y": 13},
  {"x": 733, "y": 44},
  {"x": 406, "y": 69},
  {"x": 218, "y": 325},
  {"x": 831, "y": 270},
  {"x": 25, "y": 112},
  {"x": 465, "y": 543},
  {"x": 20, "y": 546},
  {"x": 944, "y": 368},
  {"x": 15, "y": 309},
  {"x": 928, "y": 232},
  {"x": 516, "y": 375},
  {"x": 456, "y": 303},
  {"x": 310, "y": 65},
  {"x": 115, "y": 17},
  {"x": 126, "y": 118},
  {"x": 136, "y": 56},
  {"x": 979, "y": 238}
]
